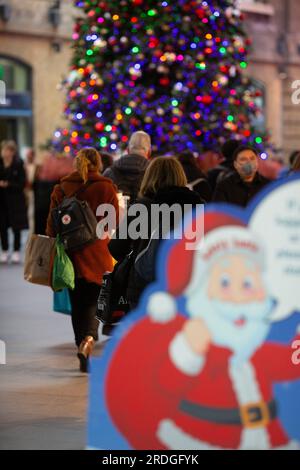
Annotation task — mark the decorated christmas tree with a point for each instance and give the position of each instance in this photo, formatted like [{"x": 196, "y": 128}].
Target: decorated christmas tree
[{"x": 172, "y": 68}]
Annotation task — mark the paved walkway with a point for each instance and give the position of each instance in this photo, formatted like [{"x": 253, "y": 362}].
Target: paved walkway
[{"x": 43, "y": 396}]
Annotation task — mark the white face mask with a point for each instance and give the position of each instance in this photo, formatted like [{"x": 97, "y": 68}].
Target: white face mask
[{"x": 246, "y": 169}]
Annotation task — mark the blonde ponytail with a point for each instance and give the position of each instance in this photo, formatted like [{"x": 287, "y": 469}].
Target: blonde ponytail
[{"x": 88, "y": 159}]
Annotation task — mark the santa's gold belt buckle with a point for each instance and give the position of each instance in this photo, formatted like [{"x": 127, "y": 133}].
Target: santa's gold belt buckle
[{"x": 255, "y": 415}]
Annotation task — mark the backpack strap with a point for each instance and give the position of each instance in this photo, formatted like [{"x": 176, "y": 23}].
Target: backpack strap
[
  {"x": 78, "y": 191},
  {"x": 195, "y": 182}
]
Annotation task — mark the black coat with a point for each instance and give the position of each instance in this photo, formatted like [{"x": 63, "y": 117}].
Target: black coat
[
  {"x": 127, "y": 174},
  {"x": 193, "y": 174},
  {"x": 13, "y": 211},
  {"x": 234, "y": 190},
  {"x": 119, "y": 248}
]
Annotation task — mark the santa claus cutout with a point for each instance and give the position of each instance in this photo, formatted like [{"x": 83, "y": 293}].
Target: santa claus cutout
[{"x": 196, "y": 371}]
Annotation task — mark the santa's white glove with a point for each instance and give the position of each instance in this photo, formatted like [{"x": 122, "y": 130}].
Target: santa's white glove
[{"x": 161, "y": 307}]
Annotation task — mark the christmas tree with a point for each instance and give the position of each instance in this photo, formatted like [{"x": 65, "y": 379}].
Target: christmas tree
[{"x": 172, "y": 68}]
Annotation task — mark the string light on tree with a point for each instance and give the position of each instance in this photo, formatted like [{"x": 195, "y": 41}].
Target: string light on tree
[{"x": 172, "y": 68}]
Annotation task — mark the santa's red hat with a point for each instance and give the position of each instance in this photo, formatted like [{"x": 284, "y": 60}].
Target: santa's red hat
[
  {"x": 186, "y": 268},
  {"x": 180, "y": 262}
]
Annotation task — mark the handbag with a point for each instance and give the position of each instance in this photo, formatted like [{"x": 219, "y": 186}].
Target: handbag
[
  {"x": 39, "y": 256},
  {"x": 112, "y": 304},
  {"x": 62, "y": 302},
  {"x": 63, "y": 275}
]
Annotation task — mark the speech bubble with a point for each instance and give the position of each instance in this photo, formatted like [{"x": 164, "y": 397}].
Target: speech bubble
[{"x": 276, "y": 220}]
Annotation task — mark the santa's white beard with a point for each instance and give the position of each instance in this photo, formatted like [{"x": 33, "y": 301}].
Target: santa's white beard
[{"x": 220, "y": 318}]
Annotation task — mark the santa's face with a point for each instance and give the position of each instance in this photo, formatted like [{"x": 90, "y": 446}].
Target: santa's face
[
  {"x": 236, "y": 279},
  {"x": 234, "y": 303}
]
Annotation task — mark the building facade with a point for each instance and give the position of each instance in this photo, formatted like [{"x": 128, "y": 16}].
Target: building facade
[
  {"x": 273, "y": 26},
  {"x": 35, "y": 40}
]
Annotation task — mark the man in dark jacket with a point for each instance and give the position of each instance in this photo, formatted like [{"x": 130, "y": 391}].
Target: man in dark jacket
[
  {"x": 217, "y": 174},
  {"x": 244, "y": 183},
  {"x": 127, "y": 173}
]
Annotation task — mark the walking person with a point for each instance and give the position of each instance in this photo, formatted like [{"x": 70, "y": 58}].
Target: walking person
[
  {"x": 127, "y": 173},
  {"x": 165, "y": 183},
  {"x": 92, "y": 260},
  {"x": 245, "y": 182},
  {"x": 196, "y": 179},
  {"x": 13, "y": 211}
]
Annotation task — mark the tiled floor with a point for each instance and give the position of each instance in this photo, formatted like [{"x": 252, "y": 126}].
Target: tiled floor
[{"x": 43, "y": 396}]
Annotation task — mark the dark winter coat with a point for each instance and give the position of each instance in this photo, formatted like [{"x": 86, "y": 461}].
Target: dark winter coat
[
  {"x": 234, "y": 190},
  {"x": 120, "y": 248},
  {"x": 127, "y": 174},
  {"x": 193, "y": 174},
  {"x": 13, "y": 211}
]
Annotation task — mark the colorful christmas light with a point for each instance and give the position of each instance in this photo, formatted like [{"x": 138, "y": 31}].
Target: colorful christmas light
[{"x": 174, "y": 69}]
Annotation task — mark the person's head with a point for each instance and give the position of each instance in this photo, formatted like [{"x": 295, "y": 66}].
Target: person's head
[
  {"x": 30, "y": 155},
  {"x": 245, "y": 161},
  {"x": 208, "y": 160},
  {"x": 107, "y": 160},
  {"x": 162, "y": 172},
  {"x": 187, "y": 158},
  {"x": 88, "y": 160},
  {"x": 228, "y": 149},
  {"x": 140, "y": 144},
  {"x": 296, "y": 164},
  {"x": 9, "y": 150}
]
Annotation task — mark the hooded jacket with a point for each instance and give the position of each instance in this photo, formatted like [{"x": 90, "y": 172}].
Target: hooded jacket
[{"x": 127, "y": 174}]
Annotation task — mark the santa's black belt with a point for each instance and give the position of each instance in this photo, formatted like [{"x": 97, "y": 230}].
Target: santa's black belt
[{"x": 251, "y": 415}]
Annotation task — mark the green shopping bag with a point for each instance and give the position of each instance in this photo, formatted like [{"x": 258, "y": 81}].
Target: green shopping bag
[{"x": 63, "y": 275}]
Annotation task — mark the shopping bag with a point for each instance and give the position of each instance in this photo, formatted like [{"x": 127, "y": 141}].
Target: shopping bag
[
  {"x": 39, "y": 256},
  {"x": 63, "y": 275},
  {"x": 62, "y": 302}
]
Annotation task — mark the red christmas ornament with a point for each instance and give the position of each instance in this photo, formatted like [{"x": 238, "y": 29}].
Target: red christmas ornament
[
  {"x": 99, "y": 126},
  {"x": 246, "y": 133},
  {"x": 207, "y": 99},
  {"x": 164, "y": 81}
]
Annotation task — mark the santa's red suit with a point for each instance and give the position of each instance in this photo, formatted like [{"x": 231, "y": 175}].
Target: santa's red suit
[{"x": 161, "y": 395}]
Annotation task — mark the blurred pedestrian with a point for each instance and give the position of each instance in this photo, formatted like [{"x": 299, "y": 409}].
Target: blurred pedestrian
[
  {"x": 53, "y": 167},
  {"x": 13, "y": 211},
  {"x": 30, "y": 170},
  {"x": 245, "y": 182},
  {"x": 127, "y": 172},
  {"x": 215, "y": 175},
  {"x": 93, "y": 260},
  {"x": 296, "y": 164},
  {"x": 107, "y": 161},
  {"x": 165, "y": 183},
  {"x": 209, "y": 159},
  {"x": 196, "y": 179}
]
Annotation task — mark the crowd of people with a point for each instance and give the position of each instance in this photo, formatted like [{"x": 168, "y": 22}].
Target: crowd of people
[{"x": 29, "y": 192}]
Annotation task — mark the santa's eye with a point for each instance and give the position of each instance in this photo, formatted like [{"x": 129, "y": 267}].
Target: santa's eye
[
  {"x": 225, "y": 281},
  {"x": 248, "y": 283}
]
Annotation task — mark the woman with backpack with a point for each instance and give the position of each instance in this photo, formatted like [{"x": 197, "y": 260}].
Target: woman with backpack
[
  {"x": 164, "y": 182},
  {"x": 92, "y": 260}
]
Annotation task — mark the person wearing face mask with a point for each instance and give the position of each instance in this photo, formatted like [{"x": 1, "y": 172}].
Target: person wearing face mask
[{"x": 245, "y": 182}]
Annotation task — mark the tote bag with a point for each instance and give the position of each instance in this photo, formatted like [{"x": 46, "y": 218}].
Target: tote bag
[{"x": 39, "y": 256}]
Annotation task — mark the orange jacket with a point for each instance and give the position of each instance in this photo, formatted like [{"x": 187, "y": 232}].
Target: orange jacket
[{"x": 92, "y": 261}]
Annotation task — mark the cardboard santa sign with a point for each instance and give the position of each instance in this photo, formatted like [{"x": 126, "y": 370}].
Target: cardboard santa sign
[{"x": 211, "y": 358}]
